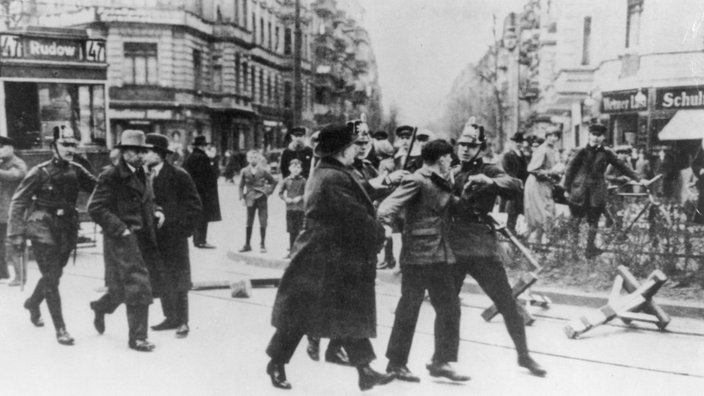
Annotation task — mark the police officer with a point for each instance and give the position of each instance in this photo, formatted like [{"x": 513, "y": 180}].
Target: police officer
[
  {"x": 43, "y": 209},
  {"x": 473, "y": 238}
]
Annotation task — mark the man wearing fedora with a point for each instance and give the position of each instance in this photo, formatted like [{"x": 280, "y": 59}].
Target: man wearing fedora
[
  {"x": 176, "y": 195},
  {"x": 297, "y": 149},
  {"x": 205, "y": 176},
  {"x": 328, "y": 288},
  {"x": 12, "y": 171},
  {"x": 122, "y": 204},
  {"x": 585, "y": 185},
  {"x": 515, "y": 164},
  {"x": 43, "y": 210}
]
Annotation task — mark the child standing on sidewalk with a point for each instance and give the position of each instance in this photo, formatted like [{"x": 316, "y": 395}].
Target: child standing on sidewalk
[
  {"x": 291, "y": 192},
  {"x": 255, "y": 187}
]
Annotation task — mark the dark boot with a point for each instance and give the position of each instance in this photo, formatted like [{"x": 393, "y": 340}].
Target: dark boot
[
  {"x": 262, "y": 238},
  {"x": 277, "y": 373},
  {"x": 368, "y": 377},
  {"x": 99, "y": 319},
  {"x": 35, "y": 315},
  {"x": 247, "y": 247},
  {"x": 63, "y": 337},
  {"x": 313, "y": 348},
  {"x": 592, "y": 251}
]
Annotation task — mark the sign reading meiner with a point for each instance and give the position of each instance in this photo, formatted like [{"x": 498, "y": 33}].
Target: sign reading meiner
[{"x": 624, "y": 101}]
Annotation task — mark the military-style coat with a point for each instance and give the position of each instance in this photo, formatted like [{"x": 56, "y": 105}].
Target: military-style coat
[
  {"x": 584, "y": 177},
  {"x": 176, "y": 195},
  {"x": 12, "y": 171},
  {"x": 426, "y": 198},
  {"x": 328, "y": 288},
  {"x": 472, "y": 232}
]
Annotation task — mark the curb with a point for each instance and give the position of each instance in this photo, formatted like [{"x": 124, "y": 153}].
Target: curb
[{"x": 558, "y": 296}]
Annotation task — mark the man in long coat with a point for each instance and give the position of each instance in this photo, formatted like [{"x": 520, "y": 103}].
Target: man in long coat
[
  {"x": 12, "y": 170},
  {"x": 176, "y": 195},
  {"x": 328, "y": 288},
  {"x": 122, "y": 204},
  {"x": 585, "y": 185},
  {"x": 205, "y": 176}
]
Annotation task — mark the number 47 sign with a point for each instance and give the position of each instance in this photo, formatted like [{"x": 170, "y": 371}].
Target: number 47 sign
[{"x": 95, "y": 51}]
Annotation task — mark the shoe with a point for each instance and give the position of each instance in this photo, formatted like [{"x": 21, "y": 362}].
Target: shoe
[
  {"x": 245, "y": 249},
  {"x": 532, "y": 366},
  {"x": 182, "y": 331},
  {"x": 590, "y": 253},
  {"x": 386, "y": 264},
  {"x": 337, "y": 356},
  {"x": 35, "y": 315},
  {"x": 15, "y": 282},
  {"x": 205, "y": 246},
  {"x": 277, "y": 373},
  {"x": 99, "y": 320},
  {"x": 443, "y": 369},
  {"x": 401, "y": 373},
  {"x": 262, "y": 249},
  {"x": 141, "y": 345},
  {"x": 165, "y": 325},
  {"x": 313, "y": 350},
  {"x": 368, "y": 377},
  {"x": 63, "y": 337}
]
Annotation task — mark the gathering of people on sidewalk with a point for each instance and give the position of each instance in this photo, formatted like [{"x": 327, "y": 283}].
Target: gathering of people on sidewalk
[{"x": 345, "y": 196}]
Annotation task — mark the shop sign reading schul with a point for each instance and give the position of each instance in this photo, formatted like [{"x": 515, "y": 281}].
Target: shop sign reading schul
[{"x": 691, "y": 97}]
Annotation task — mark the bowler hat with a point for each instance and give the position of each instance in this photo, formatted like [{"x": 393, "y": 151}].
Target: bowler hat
[
  {"x": 159, "y": 142},
  {"x": 597, "y": 129},
  {"x": 518, "y": 137},
  {"x": 404, "y": 130},
  {"x": 380, "y": 135},
  {"x": 6, "y": 141},
  {"x": 200, "y": 141},
  {"x": 133, "y": 138},
  {"x": 298, "y": 131},
  {"x": 333, "y": 139}
]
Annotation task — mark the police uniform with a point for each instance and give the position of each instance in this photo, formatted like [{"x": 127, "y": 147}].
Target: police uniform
[
  {"x": 43, "y": 210},
  {"x": 474, "y": 240}
]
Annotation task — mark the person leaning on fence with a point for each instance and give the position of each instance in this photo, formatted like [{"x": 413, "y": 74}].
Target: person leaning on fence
[
  {"x": 12, "y": 170},
  {"x": 291, "y": 191},
  {"x": 43, "y": 210},
  {"x": 585, "y": 186}
]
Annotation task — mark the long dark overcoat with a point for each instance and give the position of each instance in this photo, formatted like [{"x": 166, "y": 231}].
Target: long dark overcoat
[
  {"x": 584, "y": 177},
  {"x": 175, "y": 193},
  {"x": 120, "y": 201},
  {"x": 328, "y": 288},
  {"x": 205, "y": 176},
  {"x": 515, "y": 165}
]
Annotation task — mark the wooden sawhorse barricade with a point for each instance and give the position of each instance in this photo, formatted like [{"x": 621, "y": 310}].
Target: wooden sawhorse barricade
[
  {"x": 637, "y": 304},
  {"x": 238, "y": 289}
]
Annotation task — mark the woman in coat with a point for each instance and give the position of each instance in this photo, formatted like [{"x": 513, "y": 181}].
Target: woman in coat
[
  {"x": 543, "y": 173},
  {"x": 327, "y": 290}
]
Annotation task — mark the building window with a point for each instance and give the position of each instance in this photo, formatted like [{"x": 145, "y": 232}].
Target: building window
[
  {"x": 237, "y": 73},
  {"x": 217, "y": 74},
  {"x": 268, "y": 90},
  {"x": 34, "y": 109},
  {"x": 253, "y": 80},
  {"x": 635, "y": 10},
  {"x": 261, "y": 86},
  {"x": 261, "y": 31},
  {"x": 277, "y": 98},
  {"x": 276, "y": 39},
  {"x": 254, "y": 27},
  {"x": 237, "y": 12},
  {"x": 244, "y": 13},
  {"x": 140, "y": 66},
  {"x": 197, "y": 69},
  {"x": 245, "y": 70},
  {"x": 311, "y": 98},
  {"x": 270, "y": 36},
  {"x": 287, "y": 94},
  {"x": 287, "y": 41},
  {"x": 586, "y": 39}
]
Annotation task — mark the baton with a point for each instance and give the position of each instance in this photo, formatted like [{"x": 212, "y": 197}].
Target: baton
[
  {"x": 410, "y": 147},
  {"x": 501, "y": 228}
]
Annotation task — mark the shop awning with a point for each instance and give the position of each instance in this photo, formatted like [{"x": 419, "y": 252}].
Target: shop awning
[{"x": 685, "y": 125}]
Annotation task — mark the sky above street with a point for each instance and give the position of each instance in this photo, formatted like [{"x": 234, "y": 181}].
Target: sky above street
[{"x": 422, "y": 45}]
